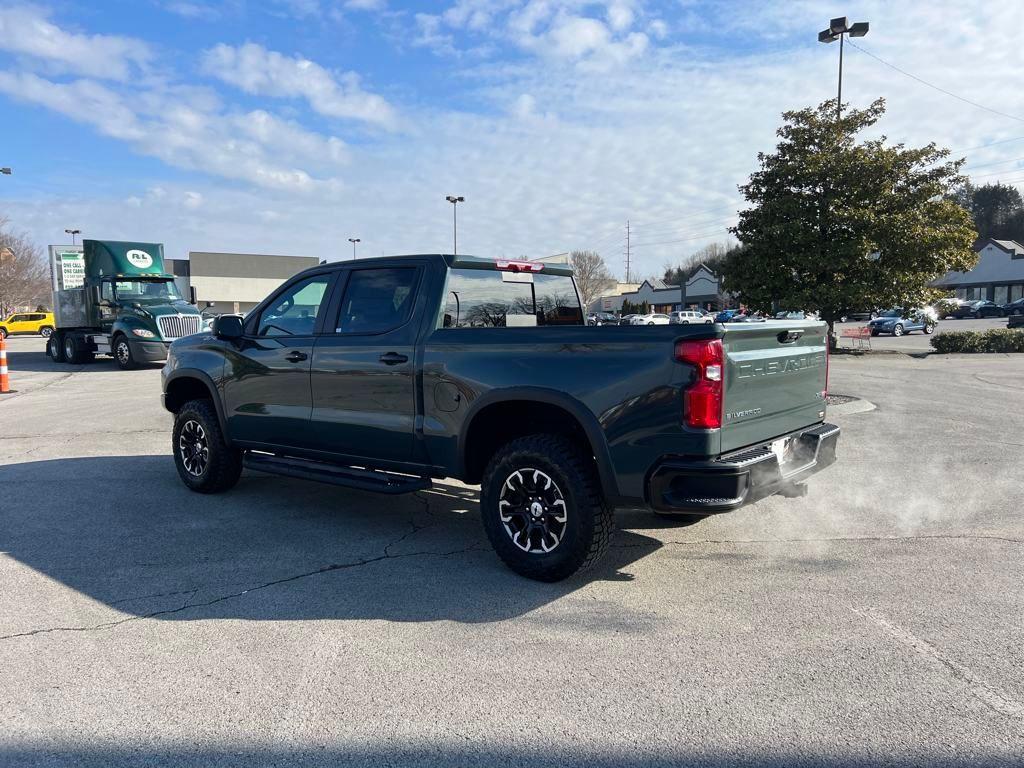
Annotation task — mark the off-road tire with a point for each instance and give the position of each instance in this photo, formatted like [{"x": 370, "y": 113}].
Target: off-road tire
[
  {"x": 124, "y": 358},
  {"x": 224, "y": 464},
  {"x": 55, "y": 347},
  {"x": 589, "y": 519}
]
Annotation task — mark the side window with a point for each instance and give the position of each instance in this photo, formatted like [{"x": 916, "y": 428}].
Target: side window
[
  {"x": 107, "y": 291},
  {"x": 484, "y": 298},
  {"x": 19, "y": 318},
  {"x": 377, "y": 300},
  {"x": 293, "y": 313}
]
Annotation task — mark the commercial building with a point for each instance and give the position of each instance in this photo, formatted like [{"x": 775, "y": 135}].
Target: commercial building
[
  {"x": 235, "y": 282},
  {"x": 998, "y": 276},
  {"x": 702, "y": 289}
]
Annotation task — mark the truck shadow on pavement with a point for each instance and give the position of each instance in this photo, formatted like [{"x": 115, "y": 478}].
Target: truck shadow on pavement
[
  {"x": 123, "y": 531},
  {"x": 38, "y": 362}
]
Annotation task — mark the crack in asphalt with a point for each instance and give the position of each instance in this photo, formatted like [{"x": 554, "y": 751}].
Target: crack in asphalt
[
  {"x": 188, "y": 604},
  {"x": 697, "y": 542},
  {"x": 16, "y": 395}
]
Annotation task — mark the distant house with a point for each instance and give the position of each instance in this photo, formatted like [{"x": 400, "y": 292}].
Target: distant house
[
  {"x": 998, "y": 276},
  {"x": 703, "y": 289}
]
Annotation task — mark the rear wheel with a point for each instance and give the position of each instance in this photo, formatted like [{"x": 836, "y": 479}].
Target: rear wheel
[
  {"x": 543, "y": 509},
  {"x": 205, "y": 461},
  {"x": 897, "y": 330},
  {"x": 929, "y": 328},
  {"x": 123, "y": 353},
  {"x": 75, "y": 351},
  {"x": 46, "y": 331},
  {"x": 55, "y": 348}
]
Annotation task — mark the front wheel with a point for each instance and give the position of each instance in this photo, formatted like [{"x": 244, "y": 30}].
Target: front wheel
[
  {"x": 898, "y": 330},
  {"x": 543, "y": 509},
  {"x": 929, "y": 328},
  {"x": 205, "y": 461},
  {"x": 123, "y": 354},
  {"x": 3, "y": 333}
]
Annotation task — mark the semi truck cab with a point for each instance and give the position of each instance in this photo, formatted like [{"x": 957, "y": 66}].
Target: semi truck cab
[{"x": 115, "y": 298}]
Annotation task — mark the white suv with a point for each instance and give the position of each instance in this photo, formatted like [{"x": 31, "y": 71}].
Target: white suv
[{"x": 687, "y": 316}]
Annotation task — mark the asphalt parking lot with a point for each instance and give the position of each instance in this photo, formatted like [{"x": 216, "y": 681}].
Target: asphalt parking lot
[{"x": 876, "y": 621}]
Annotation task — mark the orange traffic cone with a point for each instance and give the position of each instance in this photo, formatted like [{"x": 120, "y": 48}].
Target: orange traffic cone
[{"x": 5, "y": 384}]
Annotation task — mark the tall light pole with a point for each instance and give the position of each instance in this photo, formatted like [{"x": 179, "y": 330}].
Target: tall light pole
[
  {"x": 354, "y": 240},
  {"x": 73, "y": 232},
  {"x": 837, "y": 28},
  {"x": 455, "y": 221}
]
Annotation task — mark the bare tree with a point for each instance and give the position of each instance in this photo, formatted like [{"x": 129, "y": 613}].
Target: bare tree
[
  {"x": 592, "y": 275},
  {"x": 24, "y": 272}
]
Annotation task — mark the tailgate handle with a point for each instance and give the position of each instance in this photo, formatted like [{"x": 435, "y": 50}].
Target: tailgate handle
[{"x": 788, "y": 337}]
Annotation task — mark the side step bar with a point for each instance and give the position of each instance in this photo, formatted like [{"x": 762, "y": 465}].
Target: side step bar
[{"x": 350, "y": 477}]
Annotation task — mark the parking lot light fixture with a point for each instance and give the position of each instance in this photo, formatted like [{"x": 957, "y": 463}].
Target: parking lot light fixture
[
  {"x": 837, "y": 29},
  {"x": 73, "y": 233},
  {"x": 455, "y": 221},
  {"x": 354, "y": 240}
]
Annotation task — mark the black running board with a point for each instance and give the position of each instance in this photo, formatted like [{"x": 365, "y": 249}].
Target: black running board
[{"x": 350, "y": 477}]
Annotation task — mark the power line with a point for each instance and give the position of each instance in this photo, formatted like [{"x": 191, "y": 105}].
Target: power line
[
  {"x": 935, "y": 87},
  {"x": 983, "y": 146},
  {"x": 698, "y": 236},
  {"x": 998, "y": 162}
]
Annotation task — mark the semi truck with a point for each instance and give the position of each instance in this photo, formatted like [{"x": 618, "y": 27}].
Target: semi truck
[{"x": 115, "y": 298}]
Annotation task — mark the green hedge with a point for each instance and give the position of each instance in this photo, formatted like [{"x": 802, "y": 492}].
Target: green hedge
[{"x": 995, "y": 340}]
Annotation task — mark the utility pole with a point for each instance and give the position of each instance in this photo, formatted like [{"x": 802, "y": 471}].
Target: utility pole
[{"x": 627, "y": 250}]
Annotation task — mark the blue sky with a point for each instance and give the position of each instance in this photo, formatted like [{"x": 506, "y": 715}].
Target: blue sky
[{"x": 289, "y": 126}]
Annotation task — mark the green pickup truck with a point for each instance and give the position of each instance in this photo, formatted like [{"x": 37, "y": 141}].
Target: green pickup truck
[{"x": 384, "y": 374}]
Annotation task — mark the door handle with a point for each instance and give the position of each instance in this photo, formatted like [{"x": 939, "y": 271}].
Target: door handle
[
  {"x": 296, "y": 357},
  {"x": 393, "y": 358}
]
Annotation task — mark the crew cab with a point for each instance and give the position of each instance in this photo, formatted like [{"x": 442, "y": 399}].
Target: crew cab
[{"x": 385, "y": 374}]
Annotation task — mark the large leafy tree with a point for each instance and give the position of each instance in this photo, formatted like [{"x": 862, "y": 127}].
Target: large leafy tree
[
  {"x": 997, "y": 209},
  {"x": 838, "y": 224}
]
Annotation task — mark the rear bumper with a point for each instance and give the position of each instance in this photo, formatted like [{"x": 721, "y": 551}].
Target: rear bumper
[{"x": 732, "y": 480}]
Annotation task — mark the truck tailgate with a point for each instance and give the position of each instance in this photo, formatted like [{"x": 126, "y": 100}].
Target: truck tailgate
[{"x": 775, "y": 379}]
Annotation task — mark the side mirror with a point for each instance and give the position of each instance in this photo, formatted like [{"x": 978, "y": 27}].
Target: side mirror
[
  {"x": 209, "y": 304},
  {"x": 192, "y": 295},
  {"x": 96, "y": 295},
  {"x": 228, "y": 327}
]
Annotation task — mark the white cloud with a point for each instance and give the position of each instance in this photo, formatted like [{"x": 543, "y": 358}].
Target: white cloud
[
  {"x": 366, "y": 5},
  {"x": 27, "y": 31},
  {"x": 256, "y": 70},
  {"x": 187, "y": 129},
  {"x": 193, "y": 10}
]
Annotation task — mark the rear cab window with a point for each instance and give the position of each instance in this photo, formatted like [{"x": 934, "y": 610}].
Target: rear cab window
[{"x": 489, "y": 298}]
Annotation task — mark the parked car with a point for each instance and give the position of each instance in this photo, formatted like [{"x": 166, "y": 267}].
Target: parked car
[
  {"x": 978, "y": 309},
  {"x": 944, "y": 308},
  {"x": 1014, "y": 308},
  {"x": 655, "y": 318},
  {"x": 900, "y": 321},
  {"x": 383, "y": 374},
  {"x": 28, "y": 322},
  {"x": 626, "y": 319},
  {"x": 725, "y": 315},
  {"x": 745, "y": 318},
  {"x": 602, "y": 318},
  {"x": 794, "y": 314},
  {"x": 866, "y": 314},
  {"x": 687, "y": 316}
]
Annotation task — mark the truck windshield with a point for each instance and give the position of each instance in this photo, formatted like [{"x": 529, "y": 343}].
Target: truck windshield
[
  {"x": 146, "y": 290},
  {"x": 484, "y": 298}
]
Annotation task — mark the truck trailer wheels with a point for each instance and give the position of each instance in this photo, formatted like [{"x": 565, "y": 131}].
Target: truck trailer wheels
[
  {"x": 543, "y": 509},
  {"x": 205, "y": 461},
  {"x": 55, "y": 347},
  {"x": 75, "y": 351}
]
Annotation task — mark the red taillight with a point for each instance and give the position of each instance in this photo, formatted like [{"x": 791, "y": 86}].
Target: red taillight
[
  {"x": 702, "y": 401},
  {"x": 519, "y": 266}
]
